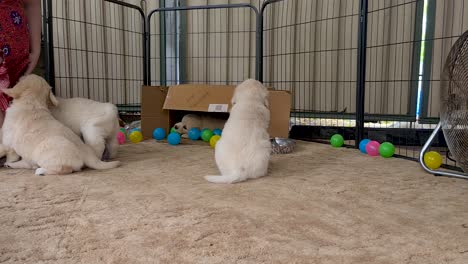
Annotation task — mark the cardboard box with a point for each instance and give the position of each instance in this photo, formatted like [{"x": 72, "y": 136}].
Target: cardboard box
[{"x": 163, "y": 107}]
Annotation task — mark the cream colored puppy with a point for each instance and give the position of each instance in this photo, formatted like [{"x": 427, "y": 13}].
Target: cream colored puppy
[
  {"x": 96, "y": 122},
  {"x": 200, "y": 121},
  {"x": 44, "y": 143},
  {"x": 243, "y": 152}
]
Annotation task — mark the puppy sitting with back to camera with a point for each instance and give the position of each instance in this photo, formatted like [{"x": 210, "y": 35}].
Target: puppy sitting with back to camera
[{"x": 243, "y": 152}]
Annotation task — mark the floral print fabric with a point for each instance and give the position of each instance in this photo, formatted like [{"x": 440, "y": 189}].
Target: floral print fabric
[{"x": 14, "y": 45}]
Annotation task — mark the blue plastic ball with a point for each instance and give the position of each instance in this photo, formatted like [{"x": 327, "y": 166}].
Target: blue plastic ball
[
  {"x": 362, "y": 145},
  {"x": 194, "y": 133},
  {"x": 217, "y": 131},
  {"x": 173, "y": 138},
  {"x": 159, "y": 133}
]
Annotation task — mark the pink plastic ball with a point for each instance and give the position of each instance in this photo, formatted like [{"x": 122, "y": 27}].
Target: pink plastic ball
[
  {"x": 372, "y": 148},
  {"x": 121, "y": 137}
]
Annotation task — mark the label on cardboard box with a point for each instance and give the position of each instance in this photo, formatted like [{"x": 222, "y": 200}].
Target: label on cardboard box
[{"x": 223, "y": 108}]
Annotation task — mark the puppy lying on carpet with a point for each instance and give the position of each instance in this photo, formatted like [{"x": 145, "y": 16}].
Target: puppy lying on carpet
[
  {"x": 243, "y": 152},
  {"x": 191, "y": 120},
  {"x": 97, "y": 123},
  {"x": 44, "y": 143}
]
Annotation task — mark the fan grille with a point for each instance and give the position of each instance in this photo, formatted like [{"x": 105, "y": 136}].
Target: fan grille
[{"x": 454, "y": 99}]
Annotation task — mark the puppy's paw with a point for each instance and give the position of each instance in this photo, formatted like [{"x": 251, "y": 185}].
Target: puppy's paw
[
  {"x": 40, "y": 171},
  {"x": 184, "y": 136},
  {"x": 7, "y": 165}
]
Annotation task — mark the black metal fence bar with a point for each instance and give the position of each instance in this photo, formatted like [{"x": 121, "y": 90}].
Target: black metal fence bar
[{"x": 361, "y": 72}]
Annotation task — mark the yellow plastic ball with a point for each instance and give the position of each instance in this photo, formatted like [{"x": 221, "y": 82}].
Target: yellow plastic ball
[
  {"x": 433, "y": 160},
  {"x": 213, "y": 140},
  {"x": 135, "y": 136}
]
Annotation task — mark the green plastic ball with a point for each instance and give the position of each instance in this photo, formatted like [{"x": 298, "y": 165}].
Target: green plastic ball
[
  {"x": 337, "y": 141},
  {"x": 173, "y": 130},
  {"x": 386, "y": 149},
  {"x": 206, "y": 135}
]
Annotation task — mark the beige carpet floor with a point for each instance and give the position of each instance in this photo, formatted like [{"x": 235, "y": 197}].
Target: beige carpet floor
[{"x": 318, "y": 205}]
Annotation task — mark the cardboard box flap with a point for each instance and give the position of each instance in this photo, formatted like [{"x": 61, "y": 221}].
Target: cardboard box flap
[{"x": 198, "y": 97}]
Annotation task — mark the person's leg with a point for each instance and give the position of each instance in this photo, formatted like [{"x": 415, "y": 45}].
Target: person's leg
[
  {"x": 2, "y": 117},
  {"x": 4, "y": 84},
  {"x": 4, "y": 157}
]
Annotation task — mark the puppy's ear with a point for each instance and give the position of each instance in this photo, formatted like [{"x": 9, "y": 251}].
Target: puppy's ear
[
  {"x": 53, "y": 100},
  {"x": 16, "y": 91}
]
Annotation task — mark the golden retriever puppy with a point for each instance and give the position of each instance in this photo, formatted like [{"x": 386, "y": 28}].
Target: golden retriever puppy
[
  {"x": 44, "y": 143},
  {"x": 96, "y": 122},
  {"x": 199, "y": 121},
  {"x": 243, "y": 152}
]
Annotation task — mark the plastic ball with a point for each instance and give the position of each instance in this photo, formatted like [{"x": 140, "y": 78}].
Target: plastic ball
[
  {"x": 372, "y": 148},
  {"x": 213, "y": 140},
  {"x": 362, "y": 145},
  {"x": 173, "y": 138},
  {"x": 433, "y": 160},
  {"x": 135, "y": 136},
  {"x": 194, "y": 133},
  {"x": 337, "y": 140},
  {"x": 120, "y": 137},
  {"x": 123, "y": 130},
  {"x": 159, "y": 133},
  {"x": 173, "y": 130},
  {"x": 387, "y": 150},
  {"x": 206, "y": 135},
  {"x": 217, "y": 131}
]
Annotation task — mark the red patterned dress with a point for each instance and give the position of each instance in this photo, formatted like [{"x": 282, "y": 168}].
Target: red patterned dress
[{"x": 14, "y": 46}]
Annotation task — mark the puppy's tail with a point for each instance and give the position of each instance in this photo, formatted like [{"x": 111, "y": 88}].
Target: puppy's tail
[
  {"x": 225, "y": 179},
  {"x": 93, "y": 162}
]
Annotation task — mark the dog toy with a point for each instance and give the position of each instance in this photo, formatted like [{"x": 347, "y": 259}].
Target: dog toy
[
  {"x": 217, "y": 131},
  {"x": 192, "y": 120},
  {"x": 387, "y": 150},
  {"x": 120, "y": 137},
  {"x": 372, "y": 148},
  {"x": 173, "y": 130},
  {"x": 433, "y": 160},
  {"x": 173, "y": 138},
  {"x": 337, "y": 140},
  {"x": 213, "y": 140},
  {"x": 194, "y": 133},
  {"x": 159, "y": 133},
  {"x": 135, "y": 136},
  {"x": 363, "y": 144},
  {"x": 206, "y": 135}
]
